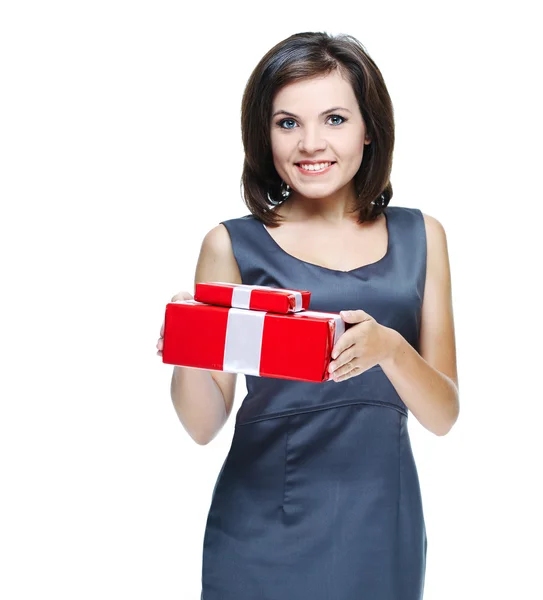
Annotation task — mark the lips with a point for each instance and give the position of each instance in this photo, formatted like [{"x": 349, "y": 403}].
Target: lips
[
  {"x": 314, "y": 172},
  {"x": 314, "y": 162}
]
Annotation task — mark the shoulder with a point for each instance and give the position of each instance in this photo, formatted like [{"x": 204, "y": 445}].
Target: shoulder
[
  {"x": 434, "y": 227},
  {"x": 216, "y": 261},
  {"x": 405, "y": 214},
  {"x": 238, "y": 220},
  {"x": 436, "y": 238},
  {"x": 435, "y": 232},
  {"x": 437, "y": 253},
  {"x": 219, "y": 237},
  {"x": 216, "y": 240},
  {"x": 430, "y": 231}
]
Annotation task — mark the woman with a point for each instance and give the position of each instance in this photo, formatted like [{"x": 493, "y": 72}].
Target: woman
[{"x": 319, "y": 495}]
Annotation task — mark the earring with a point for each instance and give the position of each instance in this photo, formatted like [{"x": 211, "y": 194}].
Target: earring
[
  {"x": 285, "y": 190},
  {"x": 285, "y": 193}
]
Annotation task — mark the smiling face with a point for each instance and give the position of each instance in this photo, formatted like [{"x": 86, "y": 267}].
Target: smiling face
[{"x": 317, "y": 121}]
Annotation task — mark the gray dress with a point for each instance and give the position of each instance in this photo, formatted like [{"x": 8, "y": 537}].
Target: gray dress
[{"x": 319, "y": 496}]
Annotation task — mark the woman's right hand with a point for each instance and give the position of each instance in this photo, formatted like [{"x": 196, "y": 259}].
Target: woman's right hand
[{"x": 178, "y": 296}]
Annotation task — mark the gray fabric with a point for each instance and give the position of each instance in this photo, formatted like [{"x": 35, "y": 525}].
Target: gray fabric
[{"x": 319, "y": 494}]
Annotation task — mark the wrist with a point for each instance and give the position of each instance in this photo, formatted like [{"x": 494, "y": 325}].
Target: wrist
[{"x": 392, "y": 343}]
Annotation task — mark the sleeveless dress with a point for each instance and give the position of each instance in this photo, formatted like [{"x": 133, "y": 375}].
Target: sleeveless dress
[{"x": 318, "y": 497}]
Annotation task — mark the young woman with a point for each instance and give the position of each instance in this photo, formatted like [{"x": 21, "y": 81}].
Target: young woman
[{"x": 319, "y": 494}]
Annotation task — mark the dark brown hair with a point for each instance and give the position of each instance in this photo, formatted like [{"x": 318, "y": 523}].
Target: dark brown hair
[{"x": 302, "y": 56}]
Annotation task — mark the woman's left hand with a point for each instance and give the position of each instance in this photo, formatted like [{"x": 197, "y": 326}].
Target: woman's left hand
[{"x": 362, "y": 346}]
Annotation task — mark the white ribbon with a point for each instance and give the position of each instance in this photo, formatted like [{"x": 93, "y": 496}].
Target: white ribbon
[
  {"x": 242, "y": 293},
  {"x": 243, "y": 344}
]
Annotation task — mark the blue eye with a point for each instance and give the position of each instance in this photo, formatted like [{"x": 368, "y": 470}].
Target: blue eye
[
  {"x": 285, "y": 121},
  {"x": 343, "y": 119}
]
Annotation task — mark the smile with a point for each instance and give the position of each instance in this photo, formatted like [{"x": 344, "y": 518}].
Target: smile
[{"x": 316, "y": 169}]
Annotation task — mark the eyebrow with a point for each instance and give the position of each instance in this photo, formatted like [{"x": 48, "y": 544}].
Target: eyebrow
[{"x": 324, "y": 112}]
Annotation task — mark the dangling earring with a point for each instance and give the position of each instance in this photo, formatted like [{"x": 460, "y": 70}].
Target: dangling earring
[
  {"x": 285, "y": 193},
  {"x": 285, "y": 190}
]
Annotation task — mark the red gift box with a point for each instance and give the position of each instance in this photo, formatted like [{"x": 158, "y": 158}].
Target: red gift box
[
  {"x": 253, "y": 297},
  {"x": 236, "y": 340}
]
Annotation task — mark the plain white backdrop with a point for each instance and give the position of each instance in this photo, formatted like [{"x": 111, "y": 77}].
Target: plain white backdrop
[{"x": 120, "y": 148}]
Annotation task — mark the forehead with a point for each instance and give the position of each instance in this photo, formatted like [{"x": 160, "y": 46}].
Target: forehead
[{"x": 321, "y": 91}]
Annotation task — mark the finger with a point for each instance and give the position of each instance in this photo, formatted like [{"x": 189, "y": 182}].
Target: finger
[
  {"x": 342, "y": 355},
  {"x": 182, "y": 296},
  {"x": 162, "y": 330},
  {"x": 344, "y": 343},
  {"x": 344, "y": 368},
  {"x": 347, "y": 374},
  {"x": 160, "y": 344},
  {"x": 354, "y": 316},
  {"x": 338, "y": 364},
  {"x": 345, "y": 360}
]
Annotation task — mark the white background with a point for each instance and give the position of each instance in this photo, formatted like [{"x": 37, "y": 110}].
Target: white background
[{"x": 120, "y": 149}]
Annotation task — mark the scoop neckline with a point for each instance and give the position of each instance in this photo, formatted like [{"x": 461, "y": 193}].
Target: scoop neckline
[{"x": 323, "y": 268}]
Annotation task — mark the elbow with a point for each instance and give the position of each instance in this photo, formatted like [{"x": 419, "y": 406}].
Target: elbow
[
  {"x": 444, "y": 430},
  {"x": 449, "y": 424},
  {"x": 201, "y": 440},
  {"x": 199, "y": 436}
]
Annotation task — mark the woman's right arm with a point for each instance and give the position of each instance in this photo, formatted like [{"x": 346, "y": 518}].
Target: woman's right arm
[{"x": 202, "y": 398}]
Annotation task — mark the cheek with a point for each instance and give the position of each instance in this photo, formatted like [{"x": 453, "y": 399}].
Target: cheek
[
  {"x": 357, "y": 144},
  {"x": 279, "y": 147},
  {"x": 278, "y": 155},
  {"x": 281, "y": 154},
  {"x": 357, "y": 150},
  {"x": 348, "y": 145}
]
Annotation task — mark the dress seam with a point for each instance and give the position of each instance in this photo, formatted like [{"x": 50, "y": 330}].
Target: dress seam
[
  {"x": 286, "y": 461},
  {"x": 298, "y": 411},
  {"x": 400, "y": 424}
]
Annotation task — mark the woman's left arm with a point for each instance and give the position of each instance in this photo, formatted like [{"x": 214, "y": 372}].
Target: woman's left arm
[{"x": 428, "y": 382}]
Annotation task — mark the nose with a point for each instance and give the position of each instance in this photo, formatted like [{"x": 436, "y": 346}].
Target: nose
[{"x": 311, "y": 140}]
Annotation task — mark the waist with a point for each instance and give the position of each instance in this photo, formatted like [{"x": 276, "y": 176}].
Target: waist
[
  {"x": 270, "y": 398},
  {"x": 243, "y": 418}
]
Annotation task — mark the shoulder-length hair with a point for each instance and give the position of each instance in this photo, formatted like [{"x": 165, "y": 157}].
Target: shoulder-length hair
[{"x": 302, "y": 56}]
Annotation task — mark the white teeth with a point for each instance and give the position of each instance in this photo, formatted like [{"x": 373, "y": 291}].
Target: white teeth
[{"x": 317, "y": 167}]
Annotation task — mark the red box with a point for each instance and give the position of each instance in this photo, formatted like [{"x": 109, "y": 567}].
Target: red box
[
  {"x": 236, "y": 340},
  {"x": 253, "y": 297}
]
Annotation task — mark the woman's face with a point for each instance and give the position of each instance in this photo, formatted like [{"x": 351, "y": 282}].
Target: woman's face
[{"x": 313, "y": 121}]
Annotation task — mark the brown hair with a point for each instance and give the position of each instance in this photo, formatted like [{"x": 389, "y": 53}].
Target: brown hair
[{"x": 301, "y": 56}]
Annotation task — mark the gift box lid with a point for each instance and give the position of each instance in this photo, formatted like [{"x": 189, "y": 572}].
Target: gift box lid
[{"x": 252, "y": 297}]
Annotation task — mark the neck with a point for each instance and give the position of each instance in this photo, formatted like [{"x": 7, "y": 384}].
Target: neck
[{"x": 334, "y": 209}]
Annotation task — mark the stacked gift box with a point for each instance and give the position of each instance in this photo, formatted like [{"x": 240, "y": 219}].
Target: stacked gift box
[{"x": 256, "y": 330}]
